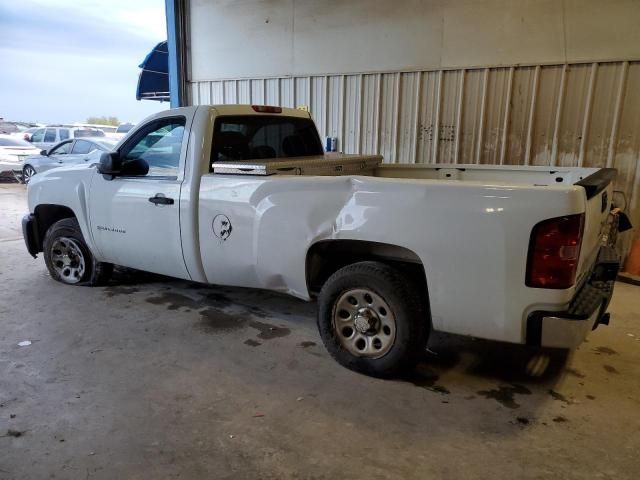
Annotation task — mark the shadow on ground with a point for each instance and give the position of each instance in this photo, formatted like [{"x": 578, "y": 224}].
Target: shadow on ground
[{"x": 516, "y": 369}]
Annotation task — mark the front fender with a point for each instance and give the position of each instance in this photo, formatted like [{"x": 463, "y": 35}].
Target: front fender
[{"x": 65, "y": 187}]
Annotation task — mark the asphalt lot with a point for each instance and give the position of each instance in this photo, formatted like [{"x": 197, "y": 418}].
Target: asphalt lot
[{"x": 156, "y": 378}]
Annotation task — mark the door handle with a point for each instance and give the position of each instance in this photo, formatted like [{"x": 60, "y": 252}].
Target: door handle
[{"x": 160, "y": 199}]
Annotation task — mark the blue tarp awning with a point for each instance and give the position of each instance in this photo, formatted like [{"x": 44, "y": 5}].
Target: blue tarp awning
[{"x": 153, "y": 83}]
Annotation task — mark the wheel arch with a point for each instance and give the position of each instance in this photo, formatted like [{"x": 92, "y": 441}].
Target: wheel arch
[
  {"x": 328, "y": 256},
  {"x": 46, "y": 215}
]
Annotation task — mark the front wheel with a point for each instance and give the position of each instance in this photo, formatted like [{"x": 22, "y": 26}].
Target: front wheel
[
  {"x": 373, "y": 319},
  {"x": 27, "y": 173},
  {"x": 68, "y": 258}
]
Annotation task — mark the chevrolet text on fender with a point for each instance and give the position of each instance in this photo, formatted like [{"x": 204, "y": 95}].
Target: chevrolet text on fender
[{"x": 244, "y": 195}]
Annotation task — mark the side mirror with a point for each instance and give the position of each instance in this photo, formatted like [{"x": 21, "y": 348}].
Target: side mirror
[
  {"x": 137, "y": 167},
  {"x": 44, "y": 153},
  {"x": 110, "y": 165}
]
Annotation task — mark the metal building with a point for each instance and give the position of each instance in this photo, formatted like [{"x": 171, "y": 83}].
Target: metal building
[{"x": 525, "y": 82}]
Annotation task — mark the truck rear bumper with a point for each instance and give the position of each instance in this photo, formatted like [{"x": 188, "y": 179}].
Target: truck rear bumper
[{"x": 569, "y": 328}]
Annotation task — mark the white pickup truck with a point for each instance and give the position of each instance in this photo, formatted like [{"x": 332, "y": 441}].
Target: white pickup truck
[{"x": 244, "y": 195}]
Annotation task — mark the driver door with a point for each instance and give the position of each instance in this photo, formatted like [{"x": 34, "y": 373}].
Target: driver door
[{"x": 135, "y": 219}]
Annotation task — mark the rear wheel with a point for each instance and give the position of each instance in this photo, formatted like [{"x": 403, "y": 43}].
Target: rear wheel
[
  {"x": 27, "y": 173},
  {"x": 373, "y": 319},
  {"x": 68, "y": 258}
]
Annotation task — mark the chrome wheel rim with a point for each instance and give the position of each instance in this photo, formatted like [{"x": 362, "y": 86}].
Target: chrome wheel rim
[
  {"x": 67, "y": 259},
  {"x": 363, "y": 323},
  {"x": 28, "y": 173}
]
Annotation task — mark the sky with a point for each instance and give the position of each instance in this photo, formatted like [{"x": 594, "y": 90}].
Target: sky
[{"x": 62, "y": 61}]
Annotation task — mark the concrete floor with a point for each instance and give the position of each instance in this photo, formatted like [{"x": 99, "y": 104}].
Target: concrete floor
[{"x": 155, "y": 378}]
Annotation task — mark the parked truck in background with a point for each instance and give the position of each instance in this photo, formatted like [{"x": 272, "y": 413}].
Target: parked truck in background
[{"x": 243, "y": 195}]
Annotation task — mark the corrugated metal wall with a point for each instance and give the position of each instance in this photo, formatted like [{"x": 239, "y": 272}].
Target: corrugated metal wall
[{"x": 569, "y": 115}]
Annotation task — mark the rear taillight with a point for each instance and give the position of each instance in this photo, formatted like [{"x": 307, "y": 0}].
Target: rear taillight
[
  {"x": 266, "y": 109},
  {"x": 554, "y": 250}
]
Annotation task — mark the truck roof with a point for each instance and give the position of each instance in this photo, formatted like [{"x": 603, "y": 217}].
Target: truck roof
[
  {"x": 232, "y": 109},
  {"x": 250, "y": 110}
]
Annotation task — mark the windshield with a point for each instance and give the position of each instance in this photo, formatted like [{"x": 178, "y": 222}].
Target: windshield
[
  {"x": 253, "y": 137},
  {"x": 14, "y": 142}
]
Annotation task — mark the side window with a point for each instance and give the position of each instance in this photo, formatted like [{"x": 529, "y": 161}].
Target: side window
[
  {"x": 82, "y": 147},
  {"x": 61, "y": 149},
  {"x": 159, "y": 145},
  {"x": 38, "y": 135},
  {"x": 50, "y": 135},
  {"x": 64, "y": 133}
]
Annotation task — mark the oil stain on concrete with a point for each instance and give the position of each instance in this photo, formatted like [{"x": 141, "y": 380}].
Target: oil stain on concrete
[
  {"x": 213, "y": 319},
  {"x": 120, "y": 290},
  {"x": 605, "y": 351},
  {"x": 175, "y": 301},
  {"x": 558, "y": 396},
  {"x": 505, "y": 394},
  {"x": 427, "y": 379},
  {"x": 268, "y": 331},
  {"x": 610, "y": 369},
  {"x": 575, "y": 373}
]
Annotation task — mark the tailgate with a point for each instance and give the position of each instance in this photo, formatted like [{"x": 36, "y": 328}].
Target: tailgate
[{"x": 599, "y": 193}]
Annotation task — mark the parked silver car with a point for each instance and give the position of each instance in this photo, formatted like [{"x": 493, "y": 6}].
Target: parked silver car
[
  {"x": 49, "y": 136},
  {"x": 66, "y": 153}
]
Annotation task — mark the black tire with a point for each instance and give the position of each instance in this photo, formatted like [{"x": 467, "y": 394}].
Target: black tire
[
  {"x": 93, "y": 273},
  {"x": 409, "y": 309},
  {"x": 27, "y": 173}
]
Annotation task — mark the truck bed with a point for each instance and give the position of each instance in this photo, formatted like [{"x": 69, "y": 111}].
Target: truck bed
[{"x": 334, "y": 164}]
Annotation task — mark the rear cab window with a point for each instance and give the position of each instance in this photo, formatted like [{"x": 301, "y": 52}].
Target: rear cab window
[{"x": 260, "y": 137}]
